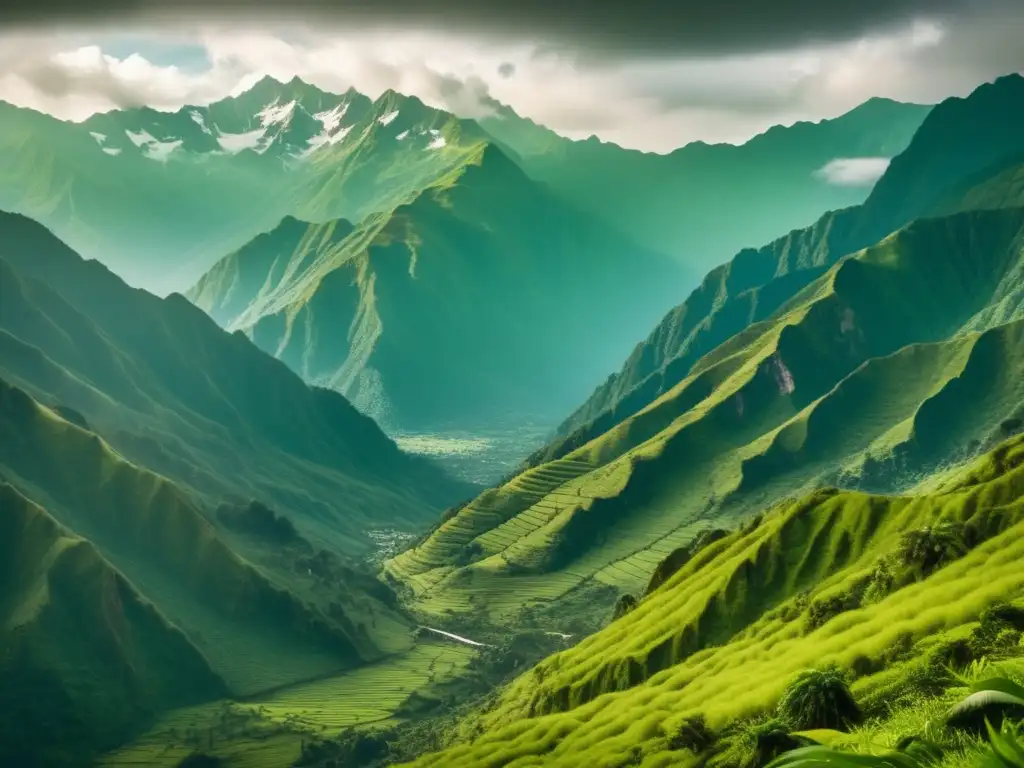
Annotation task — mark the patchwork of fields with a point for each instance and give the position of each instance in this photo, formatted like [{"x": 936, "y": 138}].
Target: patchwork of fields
[{"x": 267, "y": 730}]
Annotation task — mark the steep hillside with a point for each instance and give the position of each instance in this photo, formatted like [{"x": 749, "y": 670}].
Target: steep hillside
[
  {"x": 255, "y": 635},
  {"x": 83, "y": 657},
  {"x": 887, "y": 366},
  {"x": 834, "y": 578},
  {"x": 979, "y": 138},
  {"x": 481, "y": 300},
  {"x": 704, "y": 202},
  {"x": 173, "y": 392}
]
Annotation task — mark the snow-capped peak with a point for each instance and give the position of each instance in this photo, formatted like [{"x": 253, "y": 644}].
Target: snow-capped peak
[
  {"x": 437, "y": 143},
  {"x": 388, "y": 118},
  {"x": 100, "y": 137},
  {"x": 403, "y": 135}
]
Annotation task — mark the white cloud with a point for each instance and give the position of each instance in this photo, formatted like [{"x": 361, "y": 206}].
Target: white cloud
[
  {"x": 854, "y": 171},
  {"x": 645, "y": 103}
]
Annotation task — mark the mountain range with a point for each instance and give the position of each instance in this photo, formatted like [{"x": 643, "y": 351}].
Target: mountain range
[
  {"x": 704, "y": 202},
  {"x": 182, "y": 495},
  {"x": 844, "y": 365},
  {"x": 226, "y": 172},
  {"x": 755, "y": 480},
  {"x": 811, "y": 469},
  {"x": 483, "y": 299}
]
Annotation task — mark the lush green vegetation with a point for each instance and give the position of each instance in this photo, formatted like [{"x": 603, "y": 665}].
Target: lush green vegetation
[
  {"x": 405, "y": 281},
  {"x": 789, "y": 532},
  {"x": 728, "y": 638},
  {"x": 965, "y": 157},
  {"x": 880, "y": 372}
]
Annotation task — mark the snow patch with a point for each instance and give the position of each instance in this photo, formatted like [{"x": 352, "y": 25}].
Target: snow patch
[
  {"x": 325, "y": 139},
  {"x": 331, "y": 119},
  {"x": 113, "y": 151},
  {"x": 100, "y": 137},
  {"x": 403, "y": 135},
  {"x": 161, "y": 150},
  {"x": 275, "y": 113},
  {"x": 238, "y": 142},
  {"x": 140, "y": 139},
  {"x": 388, "y": 118},
  {"x": 437, "y": 143},
  {"x": 197, "y": 117}
]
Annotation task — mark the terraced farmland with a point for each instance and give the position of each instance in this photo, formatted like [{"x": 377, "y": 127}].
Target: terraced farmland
[
  {"x": 730, "y": 630},
  {"x": 884, "y": 368},
  {"x": 266, "y": 730}
]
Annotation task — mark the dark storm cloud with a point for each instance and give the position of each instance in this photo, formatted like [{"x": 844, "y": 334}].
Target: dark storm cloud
[
  {"x": 506, "y": 69},
  {"x": 652, "y": 26}
]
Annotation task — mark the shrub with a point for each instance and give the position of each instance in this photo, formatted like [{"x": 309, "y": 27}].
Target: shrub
[
  {"x": 821, "y": 611},
  {"x": 693, "y": 734},
  {"x": 819, "y": 698},
  {"x": 755, "y": 744},
  {"x": 932, "y": 547},
  {"x": 624, "y": 605}
]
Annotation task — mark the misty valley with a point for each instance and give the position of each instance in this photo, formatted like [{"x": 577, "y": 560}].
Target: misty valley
[{"x": 352, "y": 430}]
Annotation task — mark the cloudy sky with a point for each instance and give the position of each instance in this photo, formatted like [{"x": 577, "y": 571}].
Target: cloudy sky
[{"x": 650, "y": 74}]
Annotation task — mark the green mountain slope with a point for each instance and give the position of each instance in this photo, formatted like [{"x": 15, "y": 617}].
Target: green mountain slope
[
  {"x": 831, "y": 578},
  {"x": 83, "y": 657},
  {"x": 966, "y": 151},
  {"x": 887, "y": 366},
  {"x": 481, "y": 298},
  {"x": 173, "y": 392},
  {"x": 255, "y": 636},
  {"x": 207, "y": 503},
  {"x": 704, "y": 202}
]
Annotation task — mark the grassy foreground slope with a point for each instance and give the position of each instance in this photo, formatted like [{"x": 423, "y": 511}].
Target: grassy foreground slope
[
  {"x": 874, "y": 373},
  {"x": 81, "y": 652},
  {"x": 831, "y": 578},
  {"x": 962, "y": 158},
  {"x": 481, "y": 297}
]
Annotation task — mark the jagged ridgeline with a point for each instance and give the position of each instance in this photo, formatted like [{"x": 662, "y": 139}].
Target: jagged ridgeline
[
  {"x": 160, "y": 196},
  {"x": 481, "y": 297},
  {"x": 181, "y": 508},
  {"x": 706, "y": 201},
  {"x": 834, "y": 578},
  {"x": 868, "y": 368}
]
